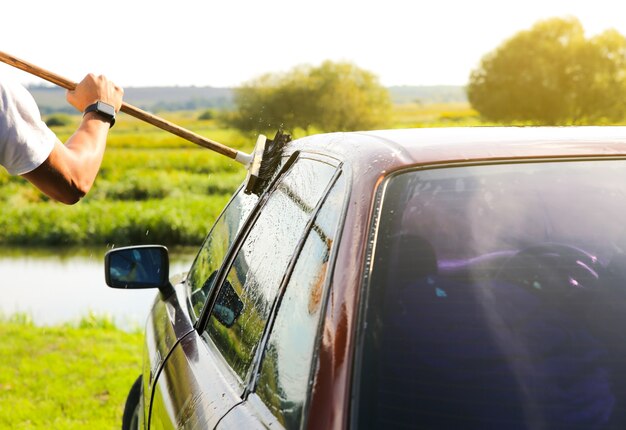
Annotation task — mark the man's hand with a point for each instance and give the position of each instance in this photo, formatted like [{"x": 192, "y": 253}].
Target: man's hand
[
  {"x": 70, "y": 170},
  {"x": 93, "y": 88}
]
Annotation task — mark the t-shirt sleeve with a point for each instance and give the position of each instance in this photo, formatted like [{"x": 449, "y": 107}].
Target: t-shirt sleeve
[{"x": 25, "y": 140}]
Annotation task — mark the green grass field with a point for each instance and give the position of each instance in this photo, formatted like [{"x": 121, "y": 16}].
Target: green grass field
[
  {"x": 66, "y": 377},
  {"x": 154, "y": 187}
]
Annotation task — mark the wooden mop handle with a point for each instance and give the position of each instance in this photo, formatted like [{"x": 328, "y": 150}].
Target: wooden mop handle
[{"x": 126, "y": 108}]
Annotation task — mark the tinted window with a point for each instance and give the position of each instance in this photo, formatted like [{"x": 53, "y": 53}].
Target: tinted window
[
  {"x": 498, "y": 299},
  {"x": 260, "y": 264},
  {"x": 202, "y": 274},
  {"x": 286, "y": 367}
]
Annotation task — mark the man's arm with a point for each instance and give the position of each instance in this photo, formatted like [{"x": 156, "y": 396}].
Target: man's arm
[{"x": 70, "y": 170}]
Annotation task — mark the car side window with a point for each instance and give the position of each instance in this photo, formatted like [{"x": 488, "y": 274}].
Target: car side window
[
  {"x": 201, "y": 276},
  {"x": 244, "y": 302},
  {"x": 286, "y": 367}
]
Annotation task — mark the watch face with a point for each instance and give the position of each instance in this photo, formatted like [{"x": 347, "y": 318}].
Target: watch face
[{"x": 106, "y": 109}]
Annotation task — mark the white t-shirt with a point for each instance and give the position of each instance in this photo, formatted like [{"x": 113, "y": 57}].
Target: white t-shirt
[{"x": 25, "y": 140}]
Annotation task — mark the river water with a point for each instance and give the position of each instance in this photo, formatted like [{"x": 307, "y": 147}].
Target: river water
[{"x": 55, "y": 286}]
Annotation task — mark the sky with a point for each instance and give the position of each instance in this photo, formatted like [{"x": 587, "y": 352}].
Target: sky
[{"x": 223, "y": 44}]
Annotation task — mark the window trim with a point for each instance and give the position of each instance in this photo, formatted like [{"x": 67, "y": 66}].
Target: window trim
[
  {"x": 228, "y": 261},
  {"x": 259, "y": 355},
  {"x": 196, "y": 318},
  {"x": 238, "y": 242},
  {"x": 343, "y": 169}
]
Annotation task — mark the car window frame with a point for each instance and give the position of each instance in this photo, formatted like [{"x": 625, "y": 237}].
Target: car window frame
[
  {"x": 243, "y": 386},
  {"x": 239, "y": 240},
  {"x": 345, "y": 171},
  {"x": 195, "y": 319},
  {"x": 363, "y": 299}
]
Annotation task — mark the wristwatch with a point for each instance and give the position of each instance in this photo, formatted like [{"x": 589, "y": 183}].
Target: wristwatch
[{"x": 105, "y": 110}]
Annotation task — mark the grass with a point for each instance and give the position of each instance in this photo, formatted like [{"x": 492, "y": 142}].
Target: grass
[
  {"x": 413, "y": 115},
  {"x": 152, "y": 188},
  {"x": 65, "y": 377},
  {"x": 169, "y": 221}
]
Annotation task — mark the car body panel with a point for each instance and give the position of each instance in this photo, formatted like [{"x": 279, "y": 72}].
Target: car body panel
[
  {"x": 191, "y": 391},
  {"x": 250, "y": 414},
  {"x": 376, "y": 152},
  {"x": 368, "y": 157},
  {"x": 168, "y": 322}
]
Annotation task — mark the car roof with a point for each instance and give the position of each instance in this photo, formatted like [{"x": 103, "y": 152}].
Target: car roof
[{"x": 403, "y": 147}]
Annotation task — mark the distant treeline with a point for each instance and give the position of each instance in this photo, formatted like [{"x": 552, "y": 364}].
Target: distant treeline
[
  {"x": 427, "y": 94},
  {"x": 52, "y": 99}
]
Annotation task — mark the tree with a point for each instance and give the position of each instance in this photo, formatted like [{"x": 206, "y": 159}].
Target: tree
[
  {"x": 552, "y": 75},
  {"x": 331, "y": 97}
]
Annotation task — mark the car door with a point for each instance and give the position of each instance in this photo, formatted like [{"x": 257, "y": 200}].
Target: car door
[
  {"x": 208, "y": 372},
  {"x": 162, "y": 331},
  {"x": 280, "y": 390}
]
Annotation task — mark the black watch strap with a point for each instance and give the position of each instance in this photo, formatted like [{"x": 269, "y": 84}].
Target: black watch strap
[{"x": 105, "y": 110}]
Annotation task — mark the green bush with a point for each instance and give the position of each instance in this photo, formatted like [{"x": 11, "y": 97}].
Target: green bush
[
  {"x": 58, "y": 120},
  {"x": 206, "y": 115}
]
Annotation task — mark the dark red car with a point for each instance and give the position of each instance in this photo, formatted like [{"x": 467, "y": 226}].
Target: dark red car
[{"x": 433, "y": 278}]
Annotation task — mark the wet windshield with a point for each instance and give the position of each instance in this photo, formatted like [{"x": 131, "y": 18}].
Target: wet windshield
[{"x": 497, "y": 299}]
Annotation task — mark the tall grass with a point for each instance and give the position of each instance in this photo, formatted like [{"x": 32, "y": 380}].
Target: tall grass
[
  {"x": 169, "y": 221},
  {"x": 154, "y": 187}
]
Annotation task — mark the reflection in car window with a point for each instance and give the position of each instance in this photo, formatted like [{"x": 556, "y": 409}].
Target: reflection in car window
[
  {"x": 286, "y": 366},
  {"x": 497, "y": 299},
  {"x": 260, "y": 264},
  {"x": 209, "y": 259}
]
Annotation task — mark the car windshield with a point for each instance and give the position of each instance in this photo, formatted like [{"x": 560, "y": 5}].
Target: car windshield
[{"x": 496, "y": 298}]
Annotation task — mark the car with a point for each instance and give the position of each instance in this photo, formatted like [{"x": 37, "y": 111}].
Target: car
[{"x": 424, "y": 278}]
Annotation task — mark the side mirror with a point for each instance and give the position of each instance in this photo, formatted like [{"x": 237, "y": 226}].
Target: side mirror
[{"x": 138, "y": 267}]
